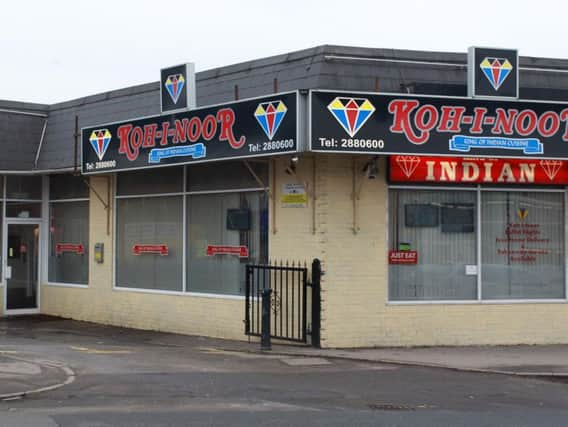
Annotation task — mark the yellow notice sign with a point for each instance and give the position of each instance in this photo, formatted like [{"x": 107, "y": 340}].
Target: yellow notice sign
[{"x": 293, "y": 196}]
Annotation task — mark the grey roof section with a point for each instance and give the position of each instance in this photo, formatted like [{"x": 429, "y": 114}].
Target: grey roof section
[
  {"x": 323, "y": 67},
  {"x": 21, "y": 126}
]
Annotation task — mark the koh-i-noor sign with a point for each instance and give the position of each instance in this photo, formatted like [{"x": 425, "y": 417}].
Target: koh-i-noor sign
[
  {"x": 248, "y": 128},
  {"x": 422, "y": 125}
]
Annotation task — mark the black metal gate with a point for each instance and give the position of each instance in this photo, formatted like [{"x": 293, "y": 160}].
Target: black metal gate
[{"x": 290, "y": 299}]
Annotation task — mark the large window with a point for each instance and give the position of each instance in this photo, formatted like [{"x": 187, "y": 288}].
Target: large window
[
  {"x": 435, "y": 236},
  {"x": 440, "y": 227},
  {"x": 68, "y": 230},
  {"x": 234, "y": 220},
  {"x": 225, "y": 225},
  {"x": 522, "y": 245}
]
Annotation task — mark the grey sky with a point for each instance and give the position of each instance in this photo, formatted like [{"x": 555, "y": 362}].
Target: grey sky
[{"x": 60, "y": 49}]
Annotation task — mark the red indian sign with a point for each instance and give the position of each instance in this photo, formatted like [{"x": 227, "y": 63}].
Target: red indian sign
[
  {"x": 150, "y": 249},
  {"x": 477, "y": 170},
  {"x": 76, "y": 248},
  {"x": 240, "y": 251},
  {"x": 403, "y": 257}
]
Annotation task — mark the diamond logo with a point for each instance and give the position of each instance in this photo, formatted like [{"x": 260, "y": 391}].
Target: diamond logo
[
  {"x": 100, "y": 140},
  {"x": 174, "y": 85},
  {"x": 551, "y": 168},
  {"x": 496, "y": 70},
  {"x": 522, "y": 213},
  {"x": 351, "y": 113},
  {"x": 269, "y": 116},
  {"x": 407, "y": 164}
]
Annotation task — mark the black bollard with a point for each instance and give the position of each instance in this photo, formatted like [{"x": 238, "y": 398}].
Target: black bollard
[{"x": 265, "y": 326}]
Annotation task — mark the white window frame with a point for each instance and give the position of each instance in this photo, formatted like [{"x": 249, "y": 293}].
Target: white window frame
[
  {"x": 479, "y": 189},
  {"x": 47, "y": 235}
]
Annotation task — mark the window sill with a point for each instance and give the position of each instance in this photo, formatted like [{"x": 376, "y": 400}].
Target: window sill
[
  {"x": 66, "y": 285},
  {"x": 480, "y": 302},
  {"x": 179, "y": 293}
]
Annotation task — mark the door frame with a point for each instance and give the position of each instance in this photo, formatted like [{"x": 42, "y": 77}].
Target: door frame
[{"x": 21, "y": 221}]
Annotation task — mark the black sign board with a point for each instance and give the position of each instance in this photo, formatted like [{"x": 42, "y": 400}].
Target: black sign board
[
  {"x": 420, "y": 125},
  {"x": 177, "y": 87},
  {"x": 493, "y": 73},
  {"x": 248, "y": 128}
]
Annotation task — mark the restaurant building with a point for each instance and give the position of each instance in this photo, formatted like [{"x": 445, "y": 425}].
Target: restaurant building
[{"x": 432, "y": 186}]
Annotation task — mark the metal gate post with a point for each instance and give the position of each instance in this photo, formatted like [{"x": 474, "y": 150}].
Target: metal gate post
[
  {"x": 265, "y": 331},
  {"x": 316, "y": 303},
  {"x": 248, "y": 270}
]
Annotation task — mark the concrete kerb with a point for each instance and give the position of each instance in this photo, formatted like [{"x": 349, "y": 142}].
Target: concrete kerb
[
  {"x": 324, "y": 354},
  {"x": 69, "y": 373}
]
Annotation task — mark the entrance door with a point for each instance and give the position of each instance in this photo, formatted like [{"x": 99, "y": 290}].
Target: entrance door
[{"x": 22, "y": 268}]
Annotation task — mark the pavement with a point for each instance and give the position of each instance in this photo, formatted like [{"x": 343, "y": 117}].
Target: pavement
[{"x": 31, "y": 362}]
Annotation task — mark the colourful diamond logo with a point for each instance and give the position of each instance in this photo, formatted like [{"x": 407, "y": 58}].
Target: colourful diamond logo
[
  {"x": 351, "y": 113},
  {"x": 496, "y": 70},
  {"x": 174, "y": 85},
  {"x": 270, "y": 115},
  {"x": 100, "y": 140}
]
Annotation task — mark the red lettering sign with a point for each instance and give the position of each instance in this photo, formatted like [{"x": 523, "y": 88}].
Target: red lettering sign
[
  {"x": 403, "y": 257},
  {"x": 477, "y": 170},
  {"x": 132, "y": 138},
  {"x": 76, "y": 248},
  {"x": 150, "y": 249},
  {"x": 417, "y": 121},
  {"x": 240, "y": 251}
]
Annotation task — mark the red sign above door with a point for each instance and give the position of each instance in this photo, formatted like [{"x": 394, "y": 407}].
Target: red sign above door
[{"x": 477, "y": 170}]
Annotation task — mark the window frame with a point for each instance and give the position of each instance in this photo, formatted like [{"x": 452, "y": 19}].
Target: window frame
[
  {"x": 46, "y": 215},
  {"x": 184, "y": 194},
  {"x": 479, "y": 189}
]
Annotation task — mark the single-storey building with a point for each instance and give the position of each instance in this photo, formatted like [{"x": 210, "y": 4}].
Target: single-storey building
[{"x": 436, "y": 205}]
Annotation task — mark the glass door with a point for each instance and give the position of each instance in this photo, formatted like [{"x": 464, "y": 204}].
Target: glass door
[{"x": 22, "y": 268}]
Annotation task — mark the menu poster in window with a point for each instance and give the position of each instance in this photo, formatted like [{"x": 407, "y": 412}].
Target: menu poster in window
[{"x": 523, "y": 241}]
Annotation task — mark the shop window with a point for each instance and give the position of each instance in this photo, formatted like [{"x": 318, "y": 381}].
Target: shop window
[
  {"x": 68, "y": 258},
  {"x": 23, "y": 209},
  {"x": 64, "y": 187},
  {"x": 225, "y": 232},
  {"x": 150, "y": 181},
  {"x": 226, "y": 176},
  {"x": 149, "y": 243},
  {"x": 438, "y": 228},
  {"x": 522, "y": 245},
  {"x": 69, "y": 242},
  {"x": 24, "y": 187}
]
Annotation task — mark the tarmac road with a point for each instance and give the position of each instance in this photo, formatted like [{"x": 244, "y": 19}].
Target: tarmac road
[{"x": 123, "y": 377}]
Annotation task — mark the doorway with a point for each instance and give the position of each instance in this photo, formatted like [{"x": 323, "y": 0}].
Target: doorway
[{"x": 21, "y": 268}]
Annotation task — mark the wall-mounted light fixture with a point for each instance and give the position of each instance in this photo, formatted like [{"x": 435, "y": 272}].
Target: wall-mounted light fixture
[{"x": 291, "y": 168}]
